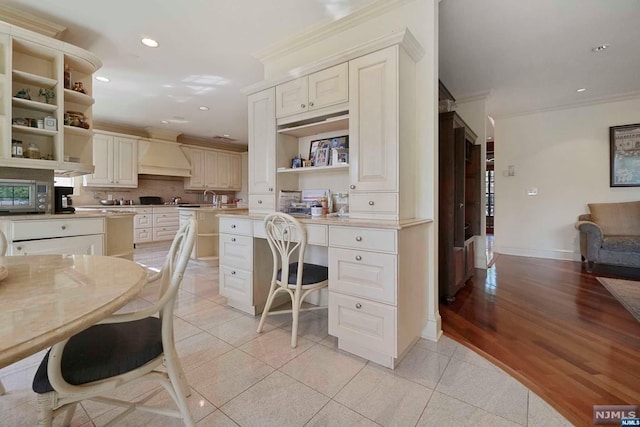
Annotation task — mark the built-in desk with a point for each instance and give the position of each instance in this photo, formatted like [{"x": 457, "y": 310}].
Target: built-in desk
[{"x": 377, "y": 277}]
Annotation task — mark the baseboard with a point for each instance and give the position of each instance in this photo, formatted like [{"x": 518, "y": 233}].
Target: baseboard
[
  {"x": 432, "y": 330},
  {"x": 559, "y": 254}
]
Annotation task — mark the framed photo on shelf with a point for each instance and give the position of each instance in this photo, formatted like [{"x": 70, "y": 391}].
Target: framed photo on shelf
[
  {"x": 331, "y": 143},
  {"x": 624, "y": 143},
  {"x": 339, "y": 156},
  {"x": 322, "y": 157},
  {"x": 315, "y": 146}
]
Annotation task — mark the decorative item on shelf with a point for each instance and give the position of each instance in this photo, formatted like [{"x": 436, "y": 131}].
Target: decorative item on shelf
[
  {"x": 79, "y": 87},
  {"x": 50, "y": 123},
  {"x": 339, "y": 156},
  {"x": 322, "y": 157},
  {"x": 48, "y": 94},
  {"x": 296, "y": 162},
  {"x": 307, "y": 163},
  {"x": 16, "y": 148},
  {"x": 67, "y": 77},
  {"x": 76, "y": 119},
  {"x": 20, "y": 121},
  {"x": 24, "y": 94},
  {"x": 40, "y": 123},
  {"x": 32, "y": 152}
]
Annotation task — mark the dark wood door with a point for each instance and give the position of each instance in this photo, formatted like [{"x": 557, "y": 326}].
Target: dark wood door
[{"x": 459, "y": 141}]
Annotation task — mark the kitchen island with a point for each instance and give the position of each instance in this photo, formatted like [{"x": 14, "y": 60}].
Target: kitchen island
[
  {"x": 207, "y": 229},
  {"x": 93, "y": 232}
]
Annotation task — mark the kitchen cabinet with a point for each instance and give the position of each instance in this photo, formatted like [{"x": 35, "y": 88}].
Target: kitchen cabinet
[
  {"x": 32, "y": 64},
  {"x": 165, "y": 223},
  {"x": 116, "y": 161},
  {"x": 213, "y": 169},
  {"x": 236, "y": 263},
  {"x": 313, "y": 92},
  {"x": 262, "y": 151}
]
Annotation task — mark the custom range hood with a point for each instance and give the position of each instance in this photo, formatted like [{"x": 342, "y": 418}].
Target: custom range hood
[{"x": 162, "y": 155}]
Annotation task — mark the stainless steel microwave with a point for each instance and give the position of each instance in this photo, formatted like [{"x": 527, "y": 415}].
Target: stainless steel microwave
[{"x": 23, "y": 196}]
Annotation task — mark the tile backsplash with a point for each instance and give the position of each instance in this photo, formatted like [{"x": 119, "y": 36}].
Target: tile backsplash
[{"x": 148, "y": 185}]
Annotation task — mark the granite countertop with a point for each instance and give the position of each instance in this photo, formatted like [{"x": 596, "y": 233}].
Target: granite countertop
[
  {"x": 78, "y": 214},
  {"x": 354, "y": 222},
  {"x": 209, "y": 208}
]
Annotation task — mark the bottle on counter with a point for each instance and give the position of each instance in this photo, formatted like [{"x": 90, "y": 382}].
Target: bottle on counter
[{"x": 325, "y": 205}]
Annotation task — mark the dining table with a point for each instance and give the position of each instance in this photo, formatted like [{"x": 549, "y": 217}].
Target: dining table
[{"x": 45, "y": 299}]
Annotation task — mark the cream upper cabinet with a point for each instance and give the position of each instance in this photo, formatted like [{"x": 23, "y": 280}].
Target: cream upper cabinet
[
  {"x": 312, "y": 92},
  {"x": 116, "y": 162},
  {"x": 262, "y": 143},
  {"x": 373, "y": 122},
  {"x": 213, "y": 169}
]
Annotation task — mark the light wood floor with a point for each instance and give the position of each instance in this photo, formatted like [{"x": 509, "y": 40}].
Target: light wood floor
[{"x": 555, "y": 328}]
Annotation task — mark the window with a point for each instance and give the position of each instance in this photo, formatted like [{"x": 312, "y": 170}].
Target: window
[{"x": 489, "y": 190}]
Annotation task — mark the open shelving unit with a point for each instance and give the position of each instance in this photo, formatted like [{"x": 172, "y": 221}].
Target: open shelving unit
[{"x": 313, "y": 169}]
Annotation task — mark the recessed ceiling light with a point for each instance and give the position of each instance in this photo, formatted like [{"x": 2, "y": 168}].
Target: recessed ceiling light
[
  {"x": 204, "y": 108},
  {"x": 582, "y": 89},
  {"x": 226, "y": 135},
  {"x": 149, "y": 42},
  {"x": 600, "y": 48},
  {"x": 164, "y": 122},
  {"x": 102, "y": 79},
  {"x": 489, "y": 138}
]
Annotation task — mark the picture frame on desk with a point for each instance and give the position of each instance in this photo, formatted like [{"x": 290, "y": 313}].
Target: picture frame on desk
[
  {"x": 624, "y": 144},
  {"x": 339, "y": 156},
  {"x": 322, "y": 157}
]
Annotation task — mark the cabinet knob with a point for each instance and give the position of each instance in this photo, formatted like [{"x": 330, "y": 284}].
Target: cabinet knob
[
  {"x": 259, "y": 202},
  {"x": 270, "y": 189},
  {"x": 371, "y": 203},
  {"x": 233, "y": 226},
  {"x": 358, "y": 305},
  {"x": 302, "y": 105},
  {"x": 358, "y": 238},
  {"x": 311, "y": 104},
  {"x": 353, "y": 187},
  {"x": 461, "y": 205},
  {"x": 64, "y": 227},
  {"x": 233, "y": 239},
  {"x": 358, "y": 258},
  {"x": 18, "y": 248},
  {"x": 233, "y": 273}
]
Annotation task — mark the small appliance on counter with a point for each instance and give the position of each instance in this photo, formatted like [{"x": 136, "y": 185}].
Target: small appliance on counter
[
  {"x": 151, "y": 200},
  {"x": 62, "y": 200}
]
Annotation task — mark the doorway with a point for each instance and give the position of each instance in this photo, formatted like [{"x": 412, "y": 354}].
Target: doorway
[{"x": 490, "y": 179}]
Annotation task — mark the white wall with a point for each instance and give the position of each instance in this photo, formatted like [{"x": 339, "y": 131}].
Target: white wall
[
  {"x": 565, "y": 155},
  {"x": 474, "y": 114},
  {"x": 420, "y": 16}
]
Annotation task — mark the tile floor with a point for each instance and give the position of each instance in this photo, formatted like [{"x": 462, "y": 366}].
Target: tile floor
[{"x": 241, "y": 378}]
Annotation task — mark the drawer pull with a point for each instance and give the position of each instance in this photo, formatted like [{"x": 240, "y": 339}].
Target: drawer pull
[
  {"x": 233, "y": 273},
  {"x": 358, "y": 238},
  {"x": 270, "y": 189},
  {"x": 310, "y": 104},
  {"x": 353, "y": 187},
  {"x": 302, "y": 105},
  {"x": 371, "y": 203},
  {"x": 233, "y": 239},
  {"x": 358, "y": 305},
  {"x": 18, "y": 248},
  {"x": 358, "y": 258},
  {"x": 233, "y": 226},
  {"x": 64, "y": 227},
  {"x": 259, "y": 202}
]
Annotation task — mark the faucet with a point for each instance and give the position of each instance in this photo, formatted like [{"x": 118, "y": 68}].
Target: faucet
[{"x": 214, "y": 197}]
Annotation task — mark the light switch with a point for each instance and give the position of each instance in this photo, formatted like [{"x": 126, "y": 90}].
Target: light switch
[{"x": 532, "y": 191}]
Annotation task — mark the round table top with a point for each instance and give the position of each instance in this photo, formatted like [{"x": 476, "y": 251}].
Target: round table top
[{"x": 47, "y": 298}]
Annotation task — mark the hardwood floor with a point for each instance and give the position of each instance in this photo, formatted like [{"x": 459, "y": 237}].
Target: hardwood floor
[{"x": 555, "y": 328}]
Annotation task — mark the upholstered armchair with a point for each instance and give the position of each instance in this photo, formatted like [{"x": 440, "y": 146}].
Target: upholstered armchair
[{"x": 610, "y": 234}]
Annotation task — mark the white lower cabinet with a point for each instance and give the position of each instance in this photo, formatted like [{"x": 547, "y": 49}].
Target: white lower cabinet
[
  {"x": 143, "y": 225},
  {"x": 78, "y": 245},
  {"x": 236, "y": 263},
  {"x": 155, "y": 223}
]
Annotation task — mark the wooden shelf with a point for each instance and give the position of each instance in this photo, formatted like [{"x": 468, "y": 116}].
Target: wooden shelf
[
  {"x": 33, "y": 105},
  {"x": 332, "y": 168},
  {"x": 34, "y": 131},
  {"x": 77, "y": 131},
  {"x": 77, "y": 97},
  {"x": 328, "y": 125},
  {"x": 34, "y": 79}
]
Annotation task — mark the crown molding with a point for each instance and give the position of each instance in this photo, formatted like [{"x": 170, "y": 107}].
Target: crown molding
[
  {"x": 480, "y": 96},
  {"x": 629, "y": 96},
  {"x": 321, "y": 31},
  {"x": 404, "y": 38},
  {"x": 212, "y": 143},
  {"x": 31, "y": 22}
]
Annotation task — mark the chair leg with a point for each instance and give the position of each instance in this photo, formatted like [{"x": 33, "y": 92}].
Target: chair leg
[
  {"x": 267, "y": 307},
  {"x": 69, "y": 415},
  {"x": 174, "y": 369},
  {"x": 295, "y": 310},
  {"x": 45, "y": 410}
]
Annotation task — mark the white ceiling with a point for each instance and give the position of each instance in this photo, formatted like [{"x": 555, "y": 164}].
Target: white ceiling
[
  {"x": 524, "y": 55},
  {"x": 531, "y": 55}
]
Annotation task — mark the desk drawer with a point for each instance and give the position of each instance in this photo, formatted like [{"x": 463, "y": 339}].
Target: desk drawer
[
  {"x": 317, "y": 234},
  {"x": 236, "y": 284},
  {"x": 364, "y": 274},
  {"x": 164, "y": 233},
  {"x": 236, "y": 251},
  {"x": 77, "y": 245},
  {"x": 142, "y": 221},
  {"x": 42, "y": 229},
  {"x": 142, "y": 235},
  {"x": 240, "y": 226},
  {"x": 262, "y": 203},
  {"x": 376, "y": 204},
  {"x": 368, "y": 324},
  {"x": 372, "y": 239},
  {"x": 166, "y": 220}
]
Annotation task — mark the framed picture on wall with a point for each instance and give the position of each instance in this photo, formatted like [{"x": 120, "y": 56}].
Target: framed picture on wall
[{"x": 624, "y": 143}]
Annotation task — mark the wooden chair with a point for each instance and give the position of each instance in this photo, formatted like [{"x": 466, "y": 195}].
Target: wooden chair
[
  {"x": 286, "y": 236},
  {"x": 121, "y": 349}
]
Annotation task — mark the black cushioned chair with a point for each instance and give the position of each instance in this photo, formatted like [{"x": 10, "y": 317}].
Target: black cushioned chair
[
  {"x": 121, "y": 349},
  {"x": 286, "y": 237}
]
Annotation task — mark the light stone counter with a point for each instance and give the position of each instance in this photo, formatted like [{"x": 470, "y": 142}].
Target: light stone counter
[
  {"x": 79, "y": 214},
  {"x": 47, "y": 298}
]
